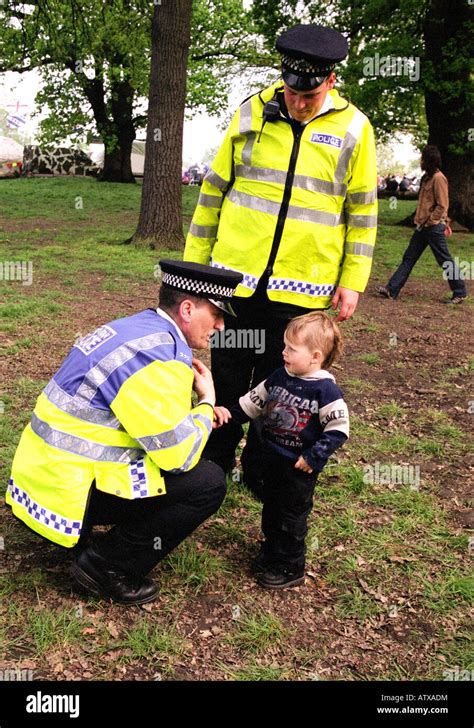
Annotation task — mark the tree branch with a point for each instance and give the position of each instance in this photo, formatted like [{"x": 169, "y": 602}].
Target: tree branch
[{"x": 38, "y": 64}]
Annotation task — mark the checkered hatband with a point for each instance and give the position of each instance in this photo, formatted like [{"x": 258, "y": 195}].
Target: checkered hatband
[
  {"x": 198, "y": 288},
  {"x": 301, "y": 65}
]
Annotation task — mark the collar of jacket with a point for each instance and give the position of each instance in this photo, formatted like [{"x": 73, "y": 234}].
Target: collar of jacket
[{"x": 267, "y": 94}]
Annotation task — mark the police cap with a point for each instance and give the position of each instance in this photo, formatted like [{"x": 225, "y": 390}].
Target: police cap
[
  {"x": 215, "y": 284},
  {"x": 309, "y": 54}
]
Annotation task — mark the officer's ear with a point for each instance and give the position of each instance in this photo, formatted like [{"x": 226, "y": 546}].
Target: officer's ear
[
  {"x": 186, "y": 308},
  {"x": 331, "y": 82}
]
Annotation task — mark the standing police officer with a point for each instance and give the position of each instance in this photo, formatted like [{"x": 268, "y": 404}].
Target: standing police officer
[
  {"x": 290, "y": 201},
  {"x": 114, "y": 438}
]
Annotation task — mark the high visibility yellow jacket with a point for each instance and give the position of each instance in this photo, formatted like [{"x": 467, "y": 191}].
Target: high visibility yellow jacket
[
  {"x": 118, "y": 411},
  {"x": 301, "y": 206}
]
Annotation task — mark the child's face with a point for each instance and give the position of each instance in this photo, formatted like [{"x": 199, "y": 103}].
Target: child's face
[{"x": 299, "y": 359}]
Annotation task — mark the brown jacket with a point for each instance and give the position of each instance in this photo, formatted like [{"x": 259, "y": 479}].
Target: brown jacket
[{"x": 433, "y": 200}]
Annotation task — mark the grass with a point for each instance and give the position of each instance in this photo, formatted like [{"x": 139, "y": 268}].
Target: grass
[
  {"x": 442, "y": 594},
  {"x": 50, "y": 630},
  {"x": 354, "y": 603},
  {"x": 255, "y": 672},
  {"x": 399, "y": 542},
  {"x": 256, "y": 633},
  {"x": 151, "y": 641},
  {"x": 391, "y": 410},
  {"x": 371, "y": 358},
  {"x": 195, "y": 568}
]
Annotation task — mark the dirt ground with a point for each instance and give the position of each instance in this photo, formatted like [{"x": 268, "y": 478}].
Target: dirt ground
[{"x": 421, "y": 350}]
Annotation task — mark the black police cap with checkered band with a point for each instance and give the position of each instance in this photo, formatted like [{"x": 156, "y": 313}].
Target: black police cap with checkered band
[
  {"x": 215, "y": 284},
  {"x": 309, "y": 54}
]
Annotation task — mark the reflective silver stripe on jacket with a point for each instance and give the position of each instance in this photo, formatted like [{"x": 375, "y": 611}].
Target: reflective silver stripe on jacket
[
  {"x": 209, "y": 200},
  {"x": 349, "y": 142},
  {"x": 203, "y": 231},
  {"x": 296, "y": 213},
  {"x": 76, "y": 407},
  {"x": 245, "y": 128},
  {"x": 362, "y": 221},
  {"x": 79, "y": 446},
  {"x": 214, "y": 179},
  {"x": 302, "y": 181},
  {"x": 197, "y": 444},
  {"x": 117, "y": 358},
  {"x": 170, "y": 438},
  {"x": 359, "y": 249},
  {"x": 362, "y": 198}
]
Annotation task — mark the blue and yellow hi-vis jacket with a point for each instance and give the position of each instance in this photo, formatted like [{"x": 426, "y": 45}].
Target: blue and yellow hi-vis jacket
[
  {"x": 118, "y": 411},
  {"x": 302, "y": 207}
]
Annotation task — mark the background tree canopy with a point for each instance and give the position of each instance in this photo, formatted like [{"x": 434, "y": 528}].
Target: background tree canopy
[{"x": 408, "y": 67}]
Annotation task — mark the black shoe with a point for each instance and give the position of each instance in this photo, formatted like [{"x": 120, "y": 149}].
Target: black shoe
[
  {"x": 260, "y": 564},
  {"x": 93, "y": 574},
  {"x": 280, "y": 578},
  {"x": 456, "y": 300},
  {"x": 383, "y": 291}
]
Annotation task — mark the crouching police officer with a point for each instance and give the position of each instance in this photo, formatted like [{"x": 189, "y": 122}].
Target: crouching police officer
[{"x": 114, "y": 438}]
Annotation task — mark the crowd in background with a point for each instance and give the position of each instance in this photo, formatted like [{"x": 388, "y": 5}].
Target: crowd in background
[{"x": 398, "y": 183}]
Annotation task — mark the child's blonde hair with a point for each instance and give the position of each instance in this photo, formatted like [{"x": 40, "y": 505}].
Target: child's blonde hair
[{"x": 317, "y": 331}]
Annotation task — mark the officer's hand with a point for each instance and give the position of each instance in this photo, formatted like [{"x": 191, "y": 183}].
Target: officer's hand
[
  {"x": 301, "y": 464},
  {"x": 221, "y": 417},
  {"x": 348, "y": 300},
  {"x": 203, "y": 383}
]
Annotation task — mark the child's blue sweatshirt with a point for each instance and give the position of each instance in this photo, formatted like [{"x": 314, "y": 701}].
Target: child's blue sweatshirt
[{"x": 301, "y": 415}]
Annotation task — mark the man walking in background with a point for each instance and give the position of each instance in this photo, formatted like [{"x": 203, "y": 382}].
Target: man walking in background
[{"x": 432, "y": 224}]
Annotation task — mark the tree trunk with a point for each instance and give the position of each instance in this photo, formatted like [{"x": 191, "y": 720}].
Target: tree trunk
[
  {"x": 160, "y": 224},
  {"x": 117, "y": 133},
  {"x": 447, "y": 84},
  {"x": 118, "y": 163}
]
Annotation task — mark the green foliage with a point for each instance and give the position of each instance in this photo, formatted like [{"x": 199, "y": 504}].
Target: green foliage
[
  {"x": 104, "y": 50},
  {"x": 223, "y": 43}
]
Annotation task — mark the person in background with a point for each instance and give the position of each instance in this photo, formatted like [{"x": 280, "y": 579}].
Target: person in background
[{"x": 432, "y": 225}]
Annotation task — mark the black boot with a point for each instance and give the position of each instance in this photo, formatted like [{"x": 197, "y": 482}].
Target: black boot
[
  {"x": 99, "y": 578},
  {"x": 260, "y": 564},
  {"x": 279, "y": 578}
]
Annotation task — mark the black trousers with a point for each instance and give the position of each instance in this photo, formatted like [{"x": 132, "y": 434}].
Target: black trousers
[
  {"x": 145, "y": 530},
  {"x": 287, "y": 503},
  {"x": 434, "y": 238},
  {"x": 236, "y": 370}
]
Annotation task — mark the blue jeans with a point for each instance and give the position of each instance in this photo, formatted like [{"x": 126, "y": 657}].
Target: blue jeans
[{"x": 434, "y": 237}]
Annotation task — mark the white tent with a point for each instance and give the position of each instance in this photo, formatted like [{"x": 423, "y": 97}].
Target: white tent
[
  {"x": 96, "y": 153},
  {"x": 10, "y": 150},
  {"x": 11, "y": 157}
]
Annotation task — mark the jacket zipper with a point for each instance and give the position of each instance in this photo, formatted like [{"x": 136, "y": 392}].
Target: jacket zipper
[{"x": 297, "y": 134}]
